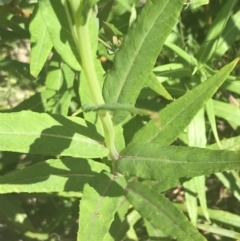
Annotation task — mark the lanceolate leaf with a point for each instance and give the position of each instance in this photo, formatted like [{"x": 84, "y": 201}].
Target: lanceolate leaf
[
  {"x": 157, "y": 209},
  {"x": 157, "y": 86},
  {"x": 176, "y": 117},
  {"x": 100, "y": 201},
  {"x": 56, "y": 22},
  {"x": 138, "y": 53},
  {"x": 230, "y": 34},
  {"x": 227, "y": 144},
  {"x": 220, "y": 216},
  {"x": 54, "y": 175},
  {"x": 156, "y": 162},
  {"x": 211, "y": 41},
  {"x": 46, "y": 134},
  {"x": 40, "y": 41}
]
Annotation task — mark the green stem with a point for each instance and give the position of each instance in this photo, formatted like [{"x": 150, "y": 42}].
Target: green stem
[{"x": 88, "y": 66}]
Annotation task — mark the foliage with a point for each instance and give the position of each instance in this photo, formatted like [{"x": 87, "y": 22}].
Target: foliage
[{"x": 124, "y": 103}]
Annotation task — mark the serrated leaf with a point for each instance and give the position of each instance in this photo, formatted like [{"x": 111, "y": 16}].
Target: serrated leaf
[
  {"x": 157, "y": 162},
  {"x": 124, "y": 82},
  {"x": 54, "y": 175},
  {"x": 40, "y": 41},
  {"x": 176, "y": 116},
  {"x": 157, "y": 209},
  {"x": 46, "y": 134},
  {"x": 100, "y": 201},
  {"x": 56, "y": 22}
]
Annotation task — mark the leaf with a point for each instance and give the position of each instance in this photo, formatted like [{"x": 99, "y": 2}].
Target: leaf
[
  {"x": 36, "y": 103},
  {"x": 59, "y": 87},
  {"x": 200, "y": 189},
  {"x": 219, "y": 231},
  {"x": 46, "y": 134},
  {"x": 132, "y": 218},
  {"x": 17, "y": 30},
  {"x": 158, "y": 210},
  {"x": 155, "y": 233},
  {"x": 176, "y": 116},
  {"x": 139, "y": 50},
  {"x": 126, "y": 4},
  {"x": 220, "y": 216},
  {"x": 197, "y": 3},
  {"x": 41, "y": 43},
  {"x": 230, "y": 182},
  {"x": 54, "y": 175},
  {"x": 182, "y": 54},
  {"x": 210, "y": 43},
  {"x": 172, "y": 71},
  {"x": 86, "y": 6},
  {"x": 228, "y": 144},
  {"x": 56, "y": 22},
  {"x": 227, "y": 111},
  {"x": 157, "y": 162},
  {"x": 191, "y": 200},
  {"x": 162, "y": 185},
  {"x": 212, "y": 120},
  {"x": 120, "y": 225},
  {"x": 157, "y": 86},
  {"x": 197, "y": 131},
  {"x": 196, "y": 137},
  {"x": 100, "y": 201},
  {"x": 230, "y": 34}
]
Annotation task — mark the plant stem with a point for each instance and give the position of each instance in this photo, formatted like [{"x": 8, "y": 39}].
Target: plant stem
[{"x": 88, "y": 66}]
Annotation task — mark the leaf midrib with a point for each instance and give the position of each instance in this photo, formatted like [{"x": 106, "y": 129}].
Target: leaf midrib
[
  {"x": 179, "y": 113},
  {"x": 158, "y": 209},
  {"x": 87, "y": 140},
  {"x": 133, "y": 59}
]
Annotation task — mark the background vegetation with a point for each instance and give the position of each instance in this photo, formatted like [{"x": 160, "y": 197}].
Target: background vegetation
[{"x": 54, "y": 216}]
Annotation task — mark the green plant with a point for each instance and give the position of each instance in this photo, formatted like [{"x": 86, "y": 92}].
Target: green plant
[{"x": 115, "y": 161}]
